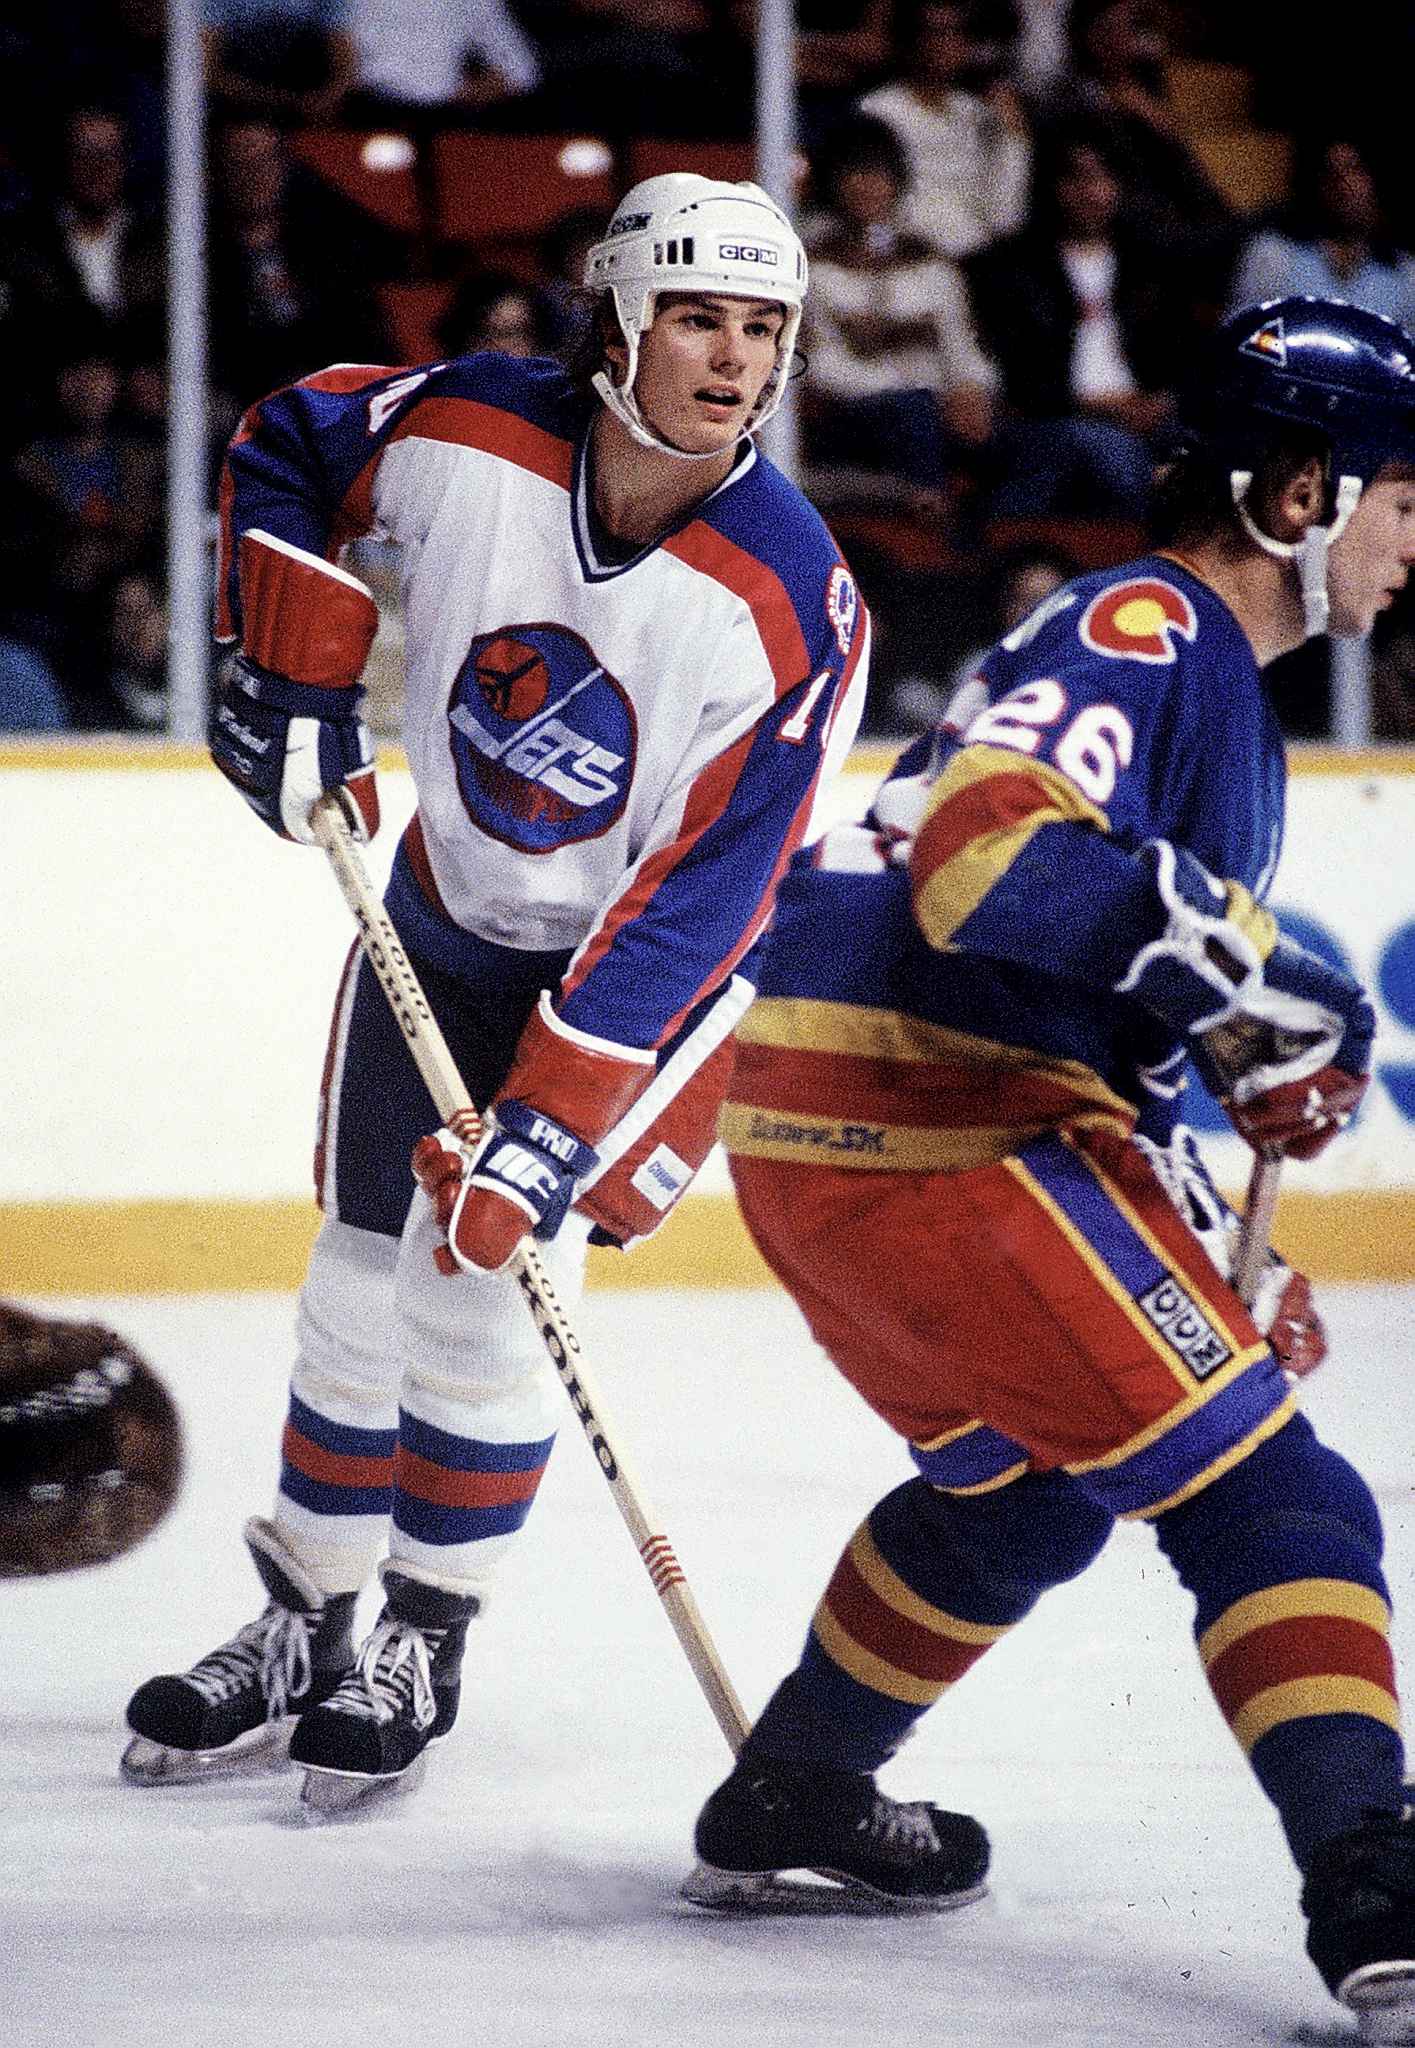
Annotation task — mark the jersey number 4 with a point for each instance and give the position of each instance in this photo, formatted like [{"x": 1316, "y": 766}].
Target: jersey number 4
[{"x": 1089, "y": 749}]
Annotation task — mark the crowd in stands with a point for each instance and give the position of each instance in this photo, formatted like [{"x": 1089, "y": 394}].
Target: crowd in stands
[{"x": 1024, "y": 216}]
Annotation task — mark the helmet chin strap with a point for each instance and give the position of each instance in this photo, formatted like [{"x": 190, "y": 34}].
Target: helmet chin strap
[
  {"x": 1310, "y": 553},
  {"x": 620, "y": 400}
]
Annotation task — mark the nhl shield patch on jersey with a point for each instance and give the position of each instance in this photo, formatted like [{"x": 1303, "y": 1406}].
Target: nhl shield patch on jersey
[
  {"x": 543, "y": 738},
  {"x": 1185, "y": 1327}
]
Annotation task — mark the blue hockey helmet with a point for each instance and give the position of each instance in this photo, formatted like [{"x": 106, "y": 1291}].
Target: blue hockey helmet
[{"x": 1345, "y": 375}]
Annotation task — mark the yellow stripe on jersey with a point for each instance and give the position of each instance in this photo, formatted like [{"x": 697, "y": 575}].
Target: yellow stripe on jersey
[
  {"x": 808, "y": 1024},
  {"x": 983, "y": 811},
  {"x": 879, "y": 1147}
]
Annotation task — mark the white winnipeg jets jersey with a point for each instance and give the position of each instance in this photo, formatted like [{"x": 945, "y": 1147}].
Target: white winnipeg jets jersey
[{"x": 613, "y": 757}]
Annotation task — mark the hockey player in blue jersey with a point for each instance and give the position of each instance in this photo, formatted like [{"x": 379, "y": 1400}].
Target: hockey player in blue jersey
[
  {"x": 633, "y": 652},
  {"x": 952, "y": 1132}
]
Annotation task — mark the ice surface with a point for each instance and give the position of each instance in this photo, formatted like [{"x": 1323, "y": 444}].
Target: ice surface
[{"x": 526, "y": 1894}]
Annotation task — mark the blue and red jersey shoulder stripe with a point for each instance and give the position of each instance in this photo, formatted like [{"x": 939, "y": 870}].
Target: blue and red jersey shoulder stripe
[{"x": 301, "y": 464}]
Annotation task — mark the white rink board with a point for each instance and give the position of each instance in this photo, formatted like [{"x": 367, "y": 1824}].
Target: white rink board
[{"x": 171, "y": 968}]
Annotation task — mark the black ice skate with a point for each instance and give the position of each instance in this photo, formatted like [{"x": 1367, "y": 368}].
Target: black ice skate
[
  {"x": 401, "y": 1694},
  {"x": 878, "y": 1855},
  {"x": 1359, "y": 1899},
  {"x": 235, "y": 1708}
]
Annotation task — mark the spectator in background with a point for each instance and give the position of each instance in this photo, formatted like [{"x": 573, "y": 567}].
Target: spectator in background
[
  {"x": 1016, "y": 581},
  {"x": 425, "y": 64},
  {"x": 629, "y": 67},
  {"x": 115, "y": 55},
  {"x": 1089, "y": 328},
  {"x": 31, "y": 699},
  {"x": 136, "y": 649},
  {"x": 492, "y": 309},
  {"x": 563, "y": 251},
  {"x": 289, "y": 61},
  {"x": 964, "y": 129},
  {"x": 82, "y": 505},
  {"x": 1119, "y": 50},
  {"x": 89, "y": 482},
  {"x": 1331, "y": 241},
  {"x": 292, "y": 268},
  {"x": 89, "y": 257},
  {"x": 843, "y": 49},
  {"x": 895, "y": 378}
]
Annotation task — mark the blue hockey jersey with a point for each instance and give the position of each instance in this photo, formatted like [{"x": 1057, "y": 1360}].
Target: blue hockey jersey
[{"x": 939, "y": 983}]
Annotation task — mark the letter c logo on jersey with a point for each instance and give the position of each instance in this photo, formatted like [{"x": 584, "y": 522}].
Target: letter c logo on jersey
[
  {"x": 543, "y": 740},
  {"x": 1138, "y": 620}
]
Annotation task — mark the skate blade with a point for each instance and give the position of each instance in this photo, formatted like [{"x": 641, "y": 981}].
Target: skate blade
[
  {"x": 144, "y": 1762},
  {"x": 824, "y": 1892},
  {"x": 344, "y": 1795},
  {"x": 1382, "y": 1996}
]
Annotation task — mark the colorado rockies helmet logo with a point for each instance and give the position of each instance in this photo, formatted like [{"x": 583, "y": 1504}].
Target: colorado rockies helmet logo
[{"x": 543, "y": 739}]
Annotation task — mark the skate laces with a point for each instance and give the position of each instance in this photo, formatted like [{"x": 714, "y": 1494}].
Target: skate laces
[
  {"x": 894, "y": 1825},
  {"x": 273, "y": 1650},
  {"x": 393, "y": 1672}
]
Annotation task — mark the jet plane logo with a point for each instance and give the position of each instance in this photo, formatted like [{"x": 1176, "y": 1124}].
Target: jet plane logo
[{"x": 543, "y": 738}]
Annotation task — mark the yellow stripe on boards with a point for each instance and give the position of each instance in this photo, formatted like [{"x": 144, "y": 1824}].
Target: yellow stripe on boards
[{"x": 223, "y": 1247}]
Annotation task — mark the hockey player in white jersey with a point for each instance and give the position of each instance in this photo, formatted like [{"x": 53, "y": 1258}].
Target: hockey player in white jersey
[{"x": 633, "y": 652}]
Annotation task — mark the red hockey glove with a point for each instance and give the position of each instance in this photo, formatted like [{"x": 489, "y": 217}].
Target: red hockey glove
[
  {"x": 521, "y": 1177},
  {"x": 562, "y": 1089},
  {"x": 1295, "y": 1061},
  {"x": 1286, "y": 1314},
  {"x": 285, "y": 728},
  {"x": 1299, "y": 1118}
]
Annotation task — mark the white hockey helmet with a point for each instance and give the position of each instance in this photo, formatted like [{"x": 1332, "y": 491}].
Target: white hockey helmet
[{"x": 683, "y": 233}]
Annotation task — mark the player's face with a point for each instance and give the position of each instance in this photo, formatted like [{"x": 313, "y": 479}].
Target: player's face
[
  {"x": 1372, "y": 559},
  {"x": 702, "y": 366}
]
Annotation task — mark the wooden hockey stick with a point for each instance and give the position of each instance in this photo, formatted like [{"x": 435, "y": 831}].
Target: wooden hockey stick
[
  {"x": 429, "y": 1049},
  {"x": 1259, "y": 1208}
]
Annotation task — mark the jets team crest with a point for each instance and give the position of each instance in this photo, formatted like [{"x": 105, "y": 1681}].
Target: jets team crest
[
  {"x": 543, "y": 739},
  {"x": 1138, "y": 619}
]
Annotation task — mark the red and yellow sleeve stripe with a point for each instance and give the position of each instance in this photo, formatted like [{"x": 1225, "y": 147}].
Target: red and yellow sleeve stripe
[{"x": 984, "y": 809}]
